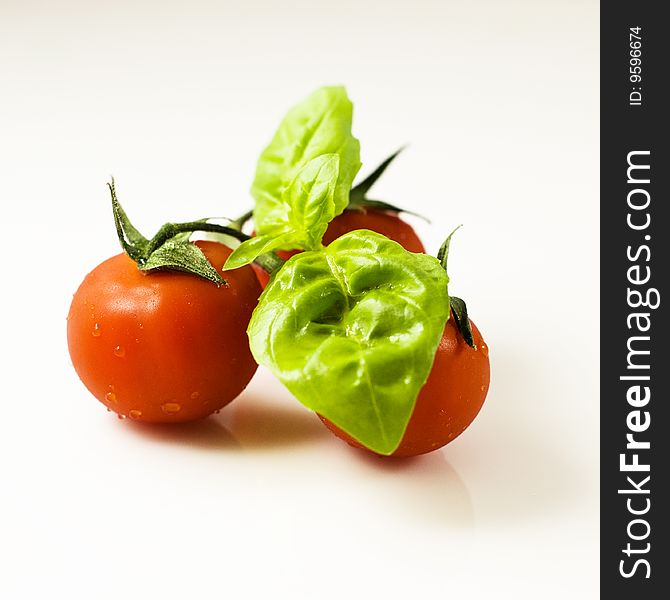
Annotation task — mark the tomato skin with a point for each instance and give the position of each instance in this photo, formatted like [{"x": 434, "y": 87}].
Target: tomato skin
[
  {"x": 379, "y": 221},
  {"x": 449, "y": 400},
  {"x": 163, "y": 346}
]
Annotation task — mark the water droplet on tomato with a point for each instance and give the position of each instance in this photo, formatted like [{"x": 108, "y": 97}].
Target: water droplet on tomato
[
  {"x": 485, "y": 350},
  {"x": 119, "y": 351},
  {"x": 135, "y": 414},
  {"x": 97, "y": 330},
  {"x": 110, "y": 396},
  {"x": 121, "y": 417},
  {"x": 195, "y": 395},
  {"x": 171, "y": 408}
]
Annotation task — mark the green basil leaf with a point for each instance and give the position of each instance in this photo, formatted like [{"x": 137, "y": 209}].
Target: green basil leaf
[
  {"x": 320, "y": 124},
  {"x": 352, "y": 332},
  {"x": 310, "y": 197},
  {"x": 310, "y": 203},
  {"x": 250, "y": 250}
]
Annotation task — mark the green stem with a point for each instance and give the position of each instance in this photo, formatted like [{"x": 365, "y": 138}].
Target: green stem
[
  {"x": 169, "y": 230},
  {"x": 269, "y": 262},
  {"x": 242, "y": 220}
]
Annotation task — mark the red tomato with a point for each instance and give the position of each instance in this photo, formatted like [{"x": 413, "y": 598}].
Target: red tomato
[
  {"x": 163, "y": 346},
  {"x": 381, "y": 221},
  {"x": 449, "y": 400}
]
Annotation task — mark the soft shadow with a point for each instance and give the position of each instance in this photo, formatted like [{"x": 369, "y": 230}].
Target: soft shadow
[
  {"x": 259, "y": 424},
  {"x": 208, "y": 434},
  {"x": 424, "y": 488}
]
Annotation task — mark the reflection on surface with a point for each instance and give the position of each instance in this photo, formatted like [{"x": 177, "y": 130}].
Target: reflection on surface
[
  {"x": 288, "y": 441},
  {"x": 208, "y": 434},
  {"x": 423, "y": 488}
]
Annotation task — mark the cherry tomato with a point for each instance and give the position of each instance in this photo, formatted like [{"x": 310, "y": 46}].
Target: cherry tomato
[
  {"x": 163, "y": 346},
  {"x": 449, "y": 400},
  {"x": 381, "y": 221}
]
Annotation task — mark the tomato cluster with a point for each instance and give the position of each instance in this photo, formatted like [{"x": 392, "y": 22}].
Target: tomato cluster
[
  {"x": 361, "y": 328},
  {"x": 167, "y": 347}
]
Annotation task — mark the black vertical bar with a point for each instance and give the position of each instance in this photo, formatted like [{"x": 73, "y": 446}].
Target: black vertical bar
[{"x": 635, "y": 555}]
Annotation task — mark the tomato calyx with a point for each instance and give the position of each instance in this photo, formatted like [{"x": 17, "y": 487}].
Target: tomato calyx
[
  {"x": 242, "y": 220},
  {"x": 358, "y": 197},
  {"x": 171, "y": 248},
  {"x": 458, "y": 307}
]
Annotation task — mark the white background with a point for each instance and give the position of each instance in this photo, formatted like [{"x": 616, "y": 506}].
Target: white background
[{"x": 499, "y": 103}]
